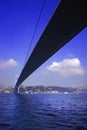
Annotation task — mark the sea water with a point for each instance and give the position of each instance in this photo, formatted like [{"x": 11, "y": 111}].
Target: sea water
[{"x": 43, "y": 111}]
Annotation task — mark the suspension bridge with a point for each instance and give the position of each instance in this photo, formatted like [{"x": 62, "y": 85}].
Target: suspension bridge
[{"x": 69, "y": 18}]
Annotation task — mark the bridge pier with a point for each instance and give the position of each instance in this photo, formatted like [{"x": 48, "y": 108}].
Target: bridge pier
[{"x": 15, "y": 90}]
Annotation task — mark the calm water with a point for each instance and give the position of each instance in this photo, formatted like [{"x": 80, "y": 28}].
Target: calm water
[{"x": 43, "y": 112}]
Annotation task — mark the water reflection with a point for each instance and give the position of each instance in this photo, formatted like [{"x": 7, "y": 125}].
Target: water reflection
[
  {"x": 15, "y": 109},
  {"x": 23, "y": 111}
]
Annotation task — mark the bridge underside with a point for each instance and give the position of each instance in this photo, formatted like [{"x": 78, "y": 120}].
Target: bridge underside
[{"x": 69, "y": 19}]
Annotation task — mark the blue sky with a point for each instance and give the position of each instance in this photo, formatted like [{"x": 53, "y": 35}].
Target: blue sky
[{"x": 68, "y": 67}]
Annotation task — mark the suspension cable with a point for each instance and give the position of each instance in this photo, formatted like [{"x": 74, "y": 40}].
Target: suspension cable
[{"x": 35, "y": 29}]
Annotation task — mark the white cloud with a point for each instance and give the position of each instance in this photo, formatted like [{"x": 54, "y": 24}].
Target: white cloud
[
  {"x": 7, "y": 64},
  {"x": 67, "y": 67}
]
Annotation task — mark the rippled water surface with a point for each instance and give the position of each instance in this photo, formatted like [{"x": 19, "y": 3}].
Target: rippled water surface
[{"x": 43, "y": 112}]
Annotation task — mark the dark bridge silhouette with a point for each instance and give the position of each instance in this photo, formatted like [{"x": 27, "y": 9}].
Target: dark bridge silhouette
[{"x": 68, "y": 20}]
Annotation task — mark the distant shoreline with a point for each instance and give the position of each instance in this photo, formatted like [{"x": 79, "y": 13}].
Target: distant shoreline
[{"x": 44, "y": 90}]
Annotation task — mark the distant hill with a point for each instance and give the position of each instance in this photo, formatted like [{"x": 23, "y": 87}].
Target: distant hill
[
  {"x": 45, "y": 89},
  {"x": 54, "y": 89}
]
